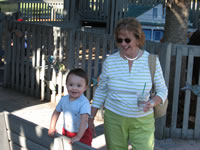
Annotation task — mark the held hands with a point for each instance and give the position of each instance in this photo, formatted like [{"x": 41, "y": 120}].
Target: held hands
[{"x": 91, "y": 125}]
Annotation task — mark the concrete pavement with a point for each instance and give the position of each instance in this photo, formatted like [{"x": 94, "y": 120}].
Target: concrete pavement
[{"x": 32, "y": 109}]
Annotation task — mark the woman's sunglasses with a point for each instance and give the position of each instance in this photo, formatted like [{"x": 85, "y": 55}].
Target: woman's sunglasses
[{"x": 118, "y": 40}]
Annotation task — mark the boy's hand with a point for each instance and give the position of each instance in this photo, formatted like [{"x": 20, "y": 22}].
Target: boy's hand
[
  {"x": 75, "y": 139},
  {"x": 51, "y": 132}
]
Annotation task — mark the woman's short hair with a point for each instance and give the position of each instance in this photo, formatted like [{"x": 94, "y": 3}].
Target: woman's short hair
[
  {"x": 132, "y": 25},
  {"x": 78, "y": 72}
]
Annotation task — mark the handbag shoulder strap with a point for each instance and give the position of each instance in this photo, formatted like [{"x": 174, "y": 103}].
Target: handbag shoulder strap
[{"x": 152, "y": 66}]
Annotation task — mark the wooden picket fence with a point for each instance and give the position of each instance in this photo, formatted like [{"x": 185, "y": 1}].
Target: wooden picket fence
[
  {"x": 28, "y": 69},
  {"x": 39, "y": 11},
  {"x": 106, "y": 12}
]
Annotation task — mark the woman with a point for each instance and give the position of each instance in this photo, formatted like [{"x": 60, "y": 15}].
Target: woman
[{"x": 124, "y": 74}]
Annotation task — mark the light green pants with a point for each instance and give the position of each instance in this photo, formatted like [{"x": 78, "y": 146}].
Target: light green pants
[{"x": 119, "y": 130}]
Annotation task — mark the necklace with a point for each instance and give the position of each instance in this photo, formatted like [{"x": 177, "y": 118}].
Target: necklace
[{"x": 132, "y": 59}]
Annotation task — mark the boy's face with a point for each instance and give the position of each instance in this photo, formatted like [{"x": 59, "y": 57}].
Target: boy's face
[{"x": 76, "y": 86}]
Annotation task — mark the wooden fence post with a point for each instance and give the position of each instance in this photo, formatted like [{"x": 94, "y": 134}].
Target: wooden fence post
[
  {"x": 4, "y": 137},
  {"x": 165, "y": 59}
]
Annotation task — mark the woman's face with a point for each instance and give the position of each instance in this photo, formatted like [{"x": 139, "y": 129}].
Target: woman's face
[{"x": 127, "y": 42}]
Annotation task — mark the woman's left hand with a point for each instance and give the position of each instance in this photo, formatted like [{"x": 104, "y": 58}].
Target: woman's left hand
[
  {"x": 149, "y": 105},
  {"x": 156, "y": 100}
]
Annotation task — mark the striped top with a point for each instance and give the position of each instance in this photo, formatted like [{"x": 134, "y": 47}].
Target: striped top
[{"x": 118, "y": 87}]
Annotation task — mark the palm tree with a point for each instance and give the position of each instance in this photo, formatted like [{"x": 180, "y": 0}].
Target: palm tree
[{"x": 176, "y": 25}]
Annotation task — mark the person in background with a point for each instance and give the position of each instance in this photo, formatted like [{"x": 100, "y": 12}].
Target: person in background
[
  {"x": 124, "y": 74},
  {"x": 76, "y": 109}
]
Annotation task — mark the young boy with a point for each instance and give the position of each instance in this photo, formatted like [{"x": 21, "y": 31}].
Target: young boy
[{"x": 76, "y": 109}]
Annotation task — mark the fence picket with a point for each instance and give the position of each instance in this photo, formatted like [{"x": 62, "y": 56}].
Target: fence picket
[
  {"x": 22, "y": 60},
  {"x": 33, "y": 60},
  {"x": 89, "y": 63},
  {"x": 43, "y": 64},
  {"x": 175, "y": 94},
  {"x": 38, "y": 54},
  {"x": 197, "y": 114},
  {"x": 27, "y": 65},
  {"x": 188, "y": 94}
]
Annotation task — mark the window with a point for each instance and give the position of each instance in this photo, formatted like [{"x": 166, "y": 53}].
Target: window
[
  {"x": 155, "y": 12},
  {"x": 147, "y": 33},
  {"x": 157, "y": 35}
]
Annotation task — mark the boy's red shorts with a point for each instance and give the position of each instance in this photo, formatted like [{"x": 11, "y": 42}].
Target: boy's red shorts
[{"x": 86, "y": 138}]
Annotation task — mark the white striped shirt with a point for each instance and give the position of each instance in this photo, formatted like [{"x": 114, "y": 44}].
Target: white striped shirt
[{"x": 118, "y": 87}]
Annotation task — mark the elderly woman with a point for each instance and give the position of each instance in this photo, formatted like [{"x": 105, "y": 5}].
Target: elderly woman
[{"x": 124, "y": 74}]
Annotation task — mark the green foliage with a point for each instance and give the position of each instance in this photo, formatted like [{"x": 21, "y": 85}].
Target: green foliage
[{"x": 8, "y": 7}]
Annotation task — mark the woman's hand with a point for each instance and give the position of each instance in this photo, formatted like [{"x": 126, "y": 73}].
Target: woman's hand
[
  {"x": 152, "y": 103},
  {"x": 149, "y": 105}
]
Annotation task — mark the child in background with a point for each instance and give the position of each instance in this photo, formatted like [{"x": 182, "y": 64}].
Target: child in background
[{"x": 76, "y": 109}]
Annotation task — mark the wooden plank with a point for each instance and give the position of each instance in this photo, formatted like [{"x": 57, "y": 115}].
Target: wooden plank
[
  {"x": 77, "y": 49},
  {"x": 185, "y": 50},
  {"x": 72, "y": 10},
  {"x": 75, "y": 146},
  {"x": 165, "y": 53},
  {"x": 197, "y": 115},
  {"x": 14, "y": 47},
  {"x": 38, "y": 51},
  {"x": 54, "y": 79},
  {"x": 176, "y": 93},
  {"x": 49, "y": 45},
  {"x": 7, "y": 67},
  {"x": 58, "y": 143},
  {"x": 188, "y": 94},
  {"x": 60, "y": 58},
  {"x": 1, "y": 34},
  {"x": 83, "y": 50},
  {"x": 15, "y": 146},
  {"x": 89, "y": 64},
  {"x": 24, "y": 141},
  {"x": 4, "y": 137},
  {"x": 22, "y": 60},
  {"x": 33, "y": 70},
  {"x": 17, "y": 55},
  {"x": 71, "y": 47},
  {"x": 27, "y": 129},
  {"x": 96, "y": 61},
  {"x": 28, "y": 67},
  {"x": 64, "y": 74},
  {"x": 104, "y": 47},
  {"x": 178, "y": 133},
  {"x": 111, "y": 16},
  {"x": 42, "y": 72}
]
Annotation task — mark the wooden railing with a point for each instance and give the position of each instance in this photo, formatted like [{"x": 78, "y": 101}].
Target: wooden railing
[
  {"x": 17, "y": 133},
  {"x": 39, "y": 11},
  {"x": 100, "y": 11},
  {"x": 28, "y": 69}
]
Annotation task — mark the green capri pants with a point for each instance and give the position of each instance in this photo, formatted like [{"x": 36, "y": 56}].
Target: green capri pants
[{"x": 120, "y": 130}]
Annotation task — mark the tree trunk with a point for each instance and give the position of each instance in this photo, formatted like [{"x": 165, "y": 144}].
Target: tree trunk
[{"x": 176, "y": 24}]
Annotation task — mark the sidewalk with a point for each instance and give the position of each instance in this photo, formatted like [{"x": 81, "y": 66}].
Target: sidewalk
[{"x": 34, "y": 110}]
